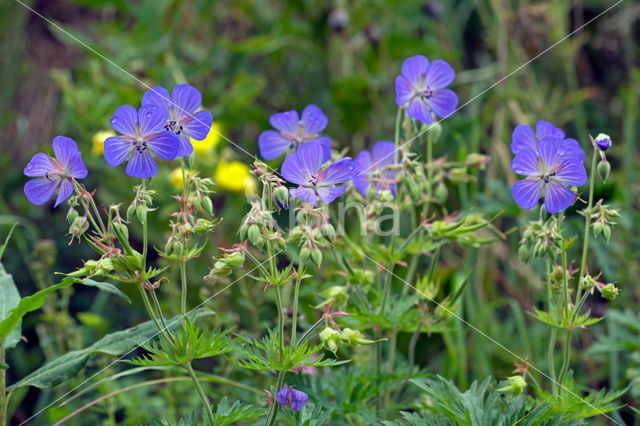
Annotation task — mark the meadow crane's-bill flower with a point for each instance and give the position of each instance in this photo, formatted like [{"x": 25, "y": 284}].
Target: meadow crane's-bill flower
[
  {"x": 375, "y": 169},
  {"x": 421, "y": 87},
  {"x": 183, "y": 117},
  {"x": 550, "y": 172},
  {"x": 524, "y": 137},
  {"x": 143, "y": 136},
  {"x": 54, "y": 174},
  {"x": 304, "y": 168},
  {"x": 291, "y": 398},
  {"x": 293, "y": 131}
]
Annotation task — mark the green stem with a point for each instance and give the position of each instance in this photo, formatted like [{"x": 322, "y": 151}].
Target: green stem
[
  {"x": 3, "y": 384},
  {"x": 554, "y": 332},
  {"x": 294, "y": 319},
  {"x": 566, "y": 357},
  {"x": 396, "y": 153},
  {"x": 565, "y": 287},
  {"x": 144, "y": 235},
  {"x": 587, "y": 223},
  {"x": 280, "y": 321},
  {"x": 183, "y": 287},
  {"x": 203, "y": 396},
  {"x": 274, "y": 408},
  {"x": 152, "y": 314}
]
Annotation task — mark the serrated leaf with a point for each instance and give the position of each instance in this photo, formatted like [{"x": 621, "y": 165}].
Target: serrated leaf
[
  {"x": 108, "y": 287},
  {"x": 114, "y": 344}
]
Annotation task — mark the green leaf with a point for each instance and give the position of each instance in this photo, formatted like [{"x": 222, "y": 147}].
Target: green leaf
[
  {"x": 9, "y": 299},
  {"x": 28, "y": 304},
  {"x": 114, "y": 344},
  {"x": 108, "y": 287}
]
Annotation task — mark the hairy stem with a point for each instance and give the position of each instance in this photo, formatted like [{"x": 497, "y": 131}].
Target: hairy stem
[
  {"x": 203, "y": 395},
  {"x": 294, "y": 319},
  {"x": 183, "y": 287},
  {"x": 3, "y": 384},
  {"x": 274, "y": 408},
  {"x": 587, "y": 223}
]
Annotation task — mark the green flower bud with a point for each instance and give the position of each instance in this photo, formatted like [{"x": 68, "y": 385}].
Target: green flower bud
[
  {"x": 354, "y": 337},
  {"x": 523, "y": 253},
  {"x": 79, "y": 226},
  {"x": 515, "y": 385},
  {"x": 329, "y": 232},
  {"x": 281, "y": 196},
  {"x": 254, "y": 234},
  {"x": 141, "y": 213},
  {"x": 458, "y": 175},
  {"x": 606, "y": 232},
  {"x": 587, "y": 283},
  {"x": 441, "y": 193},
  {"x": 610, "y": 291},
  {"x": 235, "y": 259},
  {"x": 305, "y": 254},
  {"x": 316, "y": 257},
  {"x": 597, "y": 228},
  {"x": 207, "y": 205},
  {"x": 329, "y": 338},
  {"x": 604, "y": 168},
  {"x": 72, "y": 214}
]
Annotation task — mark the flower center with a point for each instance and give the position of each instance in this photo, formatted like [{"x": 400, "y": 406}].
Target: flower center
[
  {"x": 174, "y": 126},
  {"x": 140, "y": 144}
]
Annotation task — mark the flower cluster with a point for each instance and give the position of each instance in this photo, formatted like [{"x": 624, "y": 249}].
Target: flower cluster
[{"x": 551, "y": 163}]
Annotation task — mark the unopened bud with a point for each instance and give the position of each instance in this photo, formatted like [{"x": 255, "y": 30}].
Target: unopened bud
[
  {"x": 72, "y": 214},
  {"x": 523, "y": 253},
  {"x": 253, "y": 233},
  {"x": 610, "y": 291},
  {"x": 329, "y": 232},
  {"x": 603, "y": 141},
  {"x": 441, "y": 193},
  {"x": 281, "y": 196},
  {"x": 587, "y": 283},
  {"x": 329, "y": 338},
  {"x": 79, "y": 226},
  {"x": 604, "y": 168},
  {"x": 515, "y": 385},
  {"x": 316, "y": 257}
]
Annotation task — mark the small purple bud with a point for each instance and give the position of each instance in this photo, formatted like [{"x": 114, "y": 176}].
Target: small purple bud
[
  {"x": 289, "y": 397},
  {"x": 603, "y": 141}
]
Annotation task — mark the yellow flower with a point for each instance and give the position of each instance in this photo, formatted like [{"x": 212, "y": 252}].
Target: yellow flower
[
  {"x": 97, "y": 141},
  {"x": 207, "y": 144},
  {"x": 175, "y": 177},
  {"x": 235, "y": 176}
]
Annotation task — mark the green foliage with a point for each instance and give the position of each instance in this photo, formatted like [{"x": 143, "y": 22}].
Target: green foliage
[
  {"x": 479, "y": 405},
  {"x": 262, "y": 354},
  {"x": 114, "y": 344},
  {"x": 9, "y": 300},
  {"x": 28, "y": 304},
  {"x": 189, "y": 343},
  {"x": 108, "y": 287}
]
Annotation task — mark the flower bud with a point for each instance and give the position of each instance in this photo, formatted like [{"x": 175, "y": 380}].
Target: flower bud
[
  {"x": 235, "y": 259},
  {"x": 441, "y": 193},
  {"x": 475, "y": 160},
  {"x": 207, "y": 205},
  {"x": 515, "y": 385},
  {"x": 610, "y": 291},
  {"x": 606, "y": 232},
  {"x": 587, "y": 283},
  {"x": 458, "y": 174},
  {"x": 141, "y": 213},
  {"x": 203, "y": 225},
  {"x": 329, "y": 338},
  {"x": 523, "y": 253},
  {"x": 604, "y": 168},
  {"x": 78, "y": 227},
  {"x": 603, "y": 141},
  {"x": 316, "y": 257},
  {"x": 253, "y": 233},
  {"x": 354, "y": 337},
  {"x": 281, "y": 196},
  {"x": 305, "y": 254},
  {"x": 328, "y": 231},
  {"x": 597, "y": 228},
  {"x": 72, "y": 214}
]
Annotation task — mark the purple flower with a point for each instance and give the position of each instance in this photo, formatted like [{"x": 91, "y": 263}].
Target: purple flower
[
  {"x": 304, "y": 167},
  {"x": 550, "y": 170},
  {"x": 375, "y": 170},
  {"x": 293, "y": 131},
  {"x": 182, "y": 118},
  {"x": 525, "y": 138},
  {"x": 289, "y": 397},
  {"x": 143, "y": 134},
  {"x": 54, "y": 174},
  {"x": 421, "y": 85},
  {"x": 603, "y": 141}
]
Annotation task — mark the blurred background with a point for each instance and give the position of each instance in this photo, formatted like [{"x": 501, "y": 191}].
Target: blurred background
[{"x": 251, "y": 58}]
